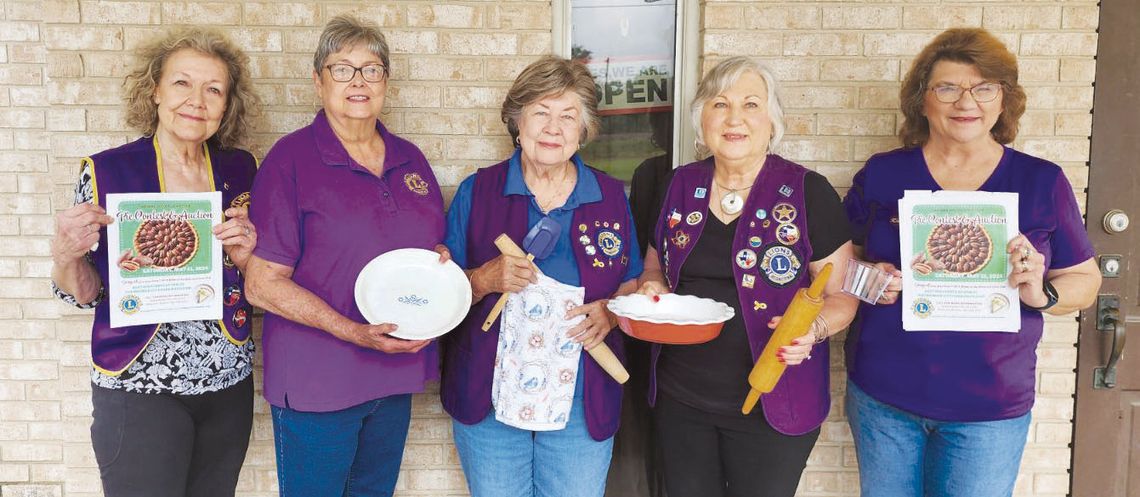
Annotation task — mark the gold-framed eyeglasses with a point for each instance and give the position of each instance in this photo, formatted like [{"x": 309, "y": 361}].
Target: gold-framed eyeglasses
[
  {"x": 982, "y": 92},
  {"x": 343, "y": 73}
]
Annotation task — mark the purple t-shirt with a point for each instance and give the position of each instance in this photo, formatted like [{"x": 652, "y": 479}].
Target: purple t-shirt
[
  {"x": 326, "y": 216},
  {"x": 948, "y": 375}
]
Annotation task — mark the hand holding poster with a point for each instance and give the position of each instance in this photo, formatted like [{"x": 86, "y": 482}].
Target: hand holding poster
[
  {"x": 164, "y": 263},
  {"x": 955, "y": 266}
]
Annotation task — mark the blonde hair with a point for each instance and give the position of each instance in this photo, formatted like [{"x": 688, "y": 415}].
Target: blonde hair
[
  {"x": 553, "y": 76},
  {"x": 975, "y": 47},
  {"x": 242, "y": 103},
  {"x": 720, "y": 79}
]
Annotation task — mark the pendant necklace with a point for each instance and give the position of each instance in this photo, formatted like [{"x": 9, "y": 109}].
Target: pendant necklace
[{"x": 731, "y": 203}]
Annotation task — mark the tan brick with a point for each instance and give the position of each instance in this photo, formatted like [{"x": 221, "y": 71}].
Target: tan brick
[
  {"x": 83, "y": 38},
  {"x": 61, "y": 10},
  {"x": 14, "y": 472},
  {"x": 211, "y": 13},
  {"x": 894, "y": 43},
  {"x": 1036, "y": 69},
  {"x": 24, "y": 10},
  {"x": 413, "y": 42},
  {"x": 441, "y": 123},
  {"x": 861, "y": 17},
  {"x": 1074, "y": 17},
  {"x": 449, "y": 69},
  {"x": 1053, "y": 409},
  {"x": 1021, "y": 17},
  {"x": 1045, "y": 458},
  {"x": 384, "y": 15},
  {"x": 1060, "y": 97},
  {"x": 1075, "y": 124},
  {"x": 22, "y": 118},
  {"x": 445, "y": 16},
  {"x": 1053, "y": 433},
  {"x": 819, "y": 97},
  {"x": 281, "y": 13},
  {"x": 461, "y": 43},
  {"x": 474, "y": 97},
  {"x": 19, "y": 31},
  {"x": 86, "y": 144},
  {"x": 257, "y": 39},
  {"x": 742, "y": 43},
  {"x": 27, "y": 53},
  {"x": 1051, "y": 483},
  {"x": 29, "y": 411},
  {"x": 728, "y": 16},
  {"x": 505, "y": 69},
  {"x": 1078, "y": 70},
  {"x": 815, "y": 149},
  {"x": 519, "y": 16},
  {"x": 861, "y": 124},
  {"x": 418, "y": 96},
  {"x": 940, "y": 17},
  {"x": 1058, "y": 44},
  {"x": 280, "y": 66},
  {"x": 782, "y": 17},
  {"x": 864, "y": 147},
  {"x": 105, "y": 65},
  {"x": 30, "y": 139},
  {"x": 535, "y": 43},
  {"x": 1036, "y": 123},
  {"x": 118, "y": 12},
  {"x": 63, "y": 65},
  {"x": 33, "y": 490},
  {"x": 878, "y": 97},
  {"x": 21, "y": 75},
  {"x": 1058, "y": 149},
  {"x": 821, "y": 44},
  {"x": 859, "y": 70}
]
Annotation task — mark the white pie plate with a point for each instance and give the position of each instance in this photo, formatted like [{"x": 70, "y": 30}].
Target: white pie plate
[{"x": 411, "y": 289}]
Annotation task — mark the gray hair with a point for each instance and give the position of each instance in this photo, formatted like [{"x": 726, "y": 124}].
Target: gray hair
[
  {"x": 344, "y": 31},
  {"x": 721, "y": 78},
  {"x": 553, "y": 76}
]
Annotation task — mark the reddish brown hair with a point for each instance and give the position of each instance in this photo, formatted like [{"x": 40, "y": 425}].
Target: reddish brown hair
[{"x": 978, "y": 48}]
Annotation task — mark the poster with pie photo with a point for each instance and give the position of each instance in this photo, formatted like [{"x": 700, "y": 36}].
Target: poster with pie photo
[
  {"x": 954, "y": 264},
  {"x": 164, "y": 263}
]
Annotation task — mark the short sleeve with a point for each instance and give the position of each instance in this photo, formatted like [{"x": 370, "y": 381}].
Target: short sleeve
[
  {"x": 856, "y": 206},
  {"x": 274, "y": 211},
  {"x": 458, "y": 220},
  {"x": 1070, "y": 243}
]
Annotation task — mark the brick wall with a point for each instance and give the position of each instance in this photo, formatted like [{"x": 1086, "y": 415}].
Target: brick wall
[{"x": 62, "y": 61}]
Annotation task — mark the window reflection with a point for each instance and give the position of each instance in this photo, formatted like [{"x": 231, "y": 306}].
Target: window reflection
[{"x": 629, "y": 47}]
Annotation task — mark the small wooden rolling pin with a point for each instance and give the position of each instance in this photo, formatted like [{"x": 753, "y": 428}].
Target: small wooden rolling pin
[{"x": 601, "y": 352}]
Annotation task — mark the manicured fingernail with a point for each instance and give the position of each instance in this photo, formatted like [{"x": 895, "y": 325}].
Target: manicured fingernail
[
  {"x": 781, "y": 359},
  {"x": 657, "y": 298}
]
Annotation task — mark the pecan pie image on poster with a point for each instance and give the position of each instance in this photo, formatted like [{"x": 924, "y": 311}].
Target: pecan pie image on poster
[
  {"x": 168, "y": 243},
  {"x": 959, "y": 248}
]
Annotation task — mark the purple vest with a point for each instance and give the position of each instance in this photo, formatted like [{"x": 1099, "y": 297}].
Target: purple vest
[
  {"x": 771, "y": 254},
  {"x": 469, "y": 353},
  {"x": 136, "y": 168}
]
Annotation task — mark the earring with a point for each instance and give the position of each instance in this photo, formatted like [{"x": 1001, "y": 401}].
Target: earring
[{"x": 517, "y": 142}]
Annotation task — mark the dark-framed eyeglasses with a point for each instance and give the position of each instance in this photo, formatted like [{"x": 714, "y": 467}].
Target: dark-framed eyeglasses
[
  {"x": 343, "y": 73},
  {"x": 982, "y": 92}
]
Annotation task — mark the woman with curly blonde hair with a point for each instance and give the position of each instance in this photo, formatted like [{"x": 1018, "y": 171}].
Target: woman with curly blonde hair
[{"x": 173, "y": 402}]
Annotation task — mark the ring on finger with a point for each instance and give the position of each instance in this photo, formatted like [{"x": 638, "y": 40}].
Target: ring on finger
[
  {"x": 1024, "y": 253},
  {"x": 1024, "y": 267},
  {"x": 808, "y": 358},
  {"x": 247, "y": 230}
]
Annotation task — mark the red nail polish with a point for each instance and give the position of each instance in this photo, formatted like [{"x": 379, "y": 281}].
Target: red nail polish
[
  {"x": 781, "y": 359},
  {"x": 657, "y": 298}
]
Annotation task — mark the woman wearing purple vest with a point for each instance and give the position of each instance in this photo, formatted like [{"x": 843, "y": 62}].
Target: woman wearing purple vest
[
  {"x": 747, "y": 228},
  {"x": 173, "y": 402},
  {"x": 334, "y": 195},
  {"x": 550, "y": 111},
  {"x": 946, "y": 413}
]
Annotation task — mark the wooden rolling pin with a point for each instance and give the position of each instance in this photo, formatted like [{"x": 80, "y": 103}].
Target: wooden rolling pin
[
  {"x": 796, "y": 321},
  {"x": 601, "y": 352}
]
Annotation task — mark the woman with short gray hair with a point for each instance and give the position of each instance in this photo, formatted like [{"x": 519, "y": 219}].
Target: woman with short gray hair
[
  {"x": 333, "y": 196},
  {"x": 748, "y": 228}
]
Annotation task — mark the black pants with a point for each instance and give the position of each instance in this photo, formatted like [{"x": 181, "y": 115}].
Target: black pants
[
  {"x": 714, "y": 455},
  {"x": 150, "y": 445}
]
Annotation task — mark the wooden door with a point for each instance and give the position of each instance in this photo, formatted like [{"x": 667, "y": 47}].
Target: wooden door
[{"x": 1106, "y": 438}]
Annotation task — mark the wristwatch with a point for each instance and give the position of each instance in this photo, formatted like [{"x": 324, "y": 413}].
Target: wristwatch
[{"x": 1050, "y": 293}]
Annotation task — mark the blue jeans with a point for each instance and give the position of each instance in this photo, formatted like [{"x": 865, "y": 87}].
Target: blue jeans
[
  {"x": 352, "y": 452},
  {"x": 904, "y": 455},
  {"x": 504, "y": 461}
]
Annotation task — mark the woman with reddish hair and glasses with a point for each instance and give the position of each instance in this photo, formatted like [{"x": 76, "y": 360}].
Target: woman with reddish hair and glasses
[{"x": 946, "y": 413}]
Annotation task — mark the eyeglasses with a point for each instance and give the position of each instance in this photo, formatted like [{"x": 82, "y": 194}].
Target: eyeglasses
[
  {"x": 982, "y": 92},
  {"x": 343, "y": 73}
]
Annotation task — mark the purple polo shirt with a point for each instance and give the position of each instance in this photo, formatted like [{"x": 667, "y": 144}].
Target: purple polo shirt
[
  {"x": 326, "y": 216},
  {"x": 948, "y": 375}
]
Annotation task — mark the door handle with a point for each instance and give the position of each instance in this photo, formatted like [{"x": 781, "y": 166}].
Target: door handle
[{"x": 1108, "y": 320}]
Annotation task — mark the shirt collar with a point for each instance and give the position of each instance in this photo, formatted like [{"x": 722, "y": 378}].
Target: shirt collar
[
  {"x": 333, "y": 152},
  {"x": 586, "y": 189}
]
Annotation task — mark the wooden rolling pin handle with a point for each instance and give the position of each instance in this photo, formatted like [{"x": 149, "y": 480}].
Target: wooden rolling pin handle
[{"x": 609, "y": 362}]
